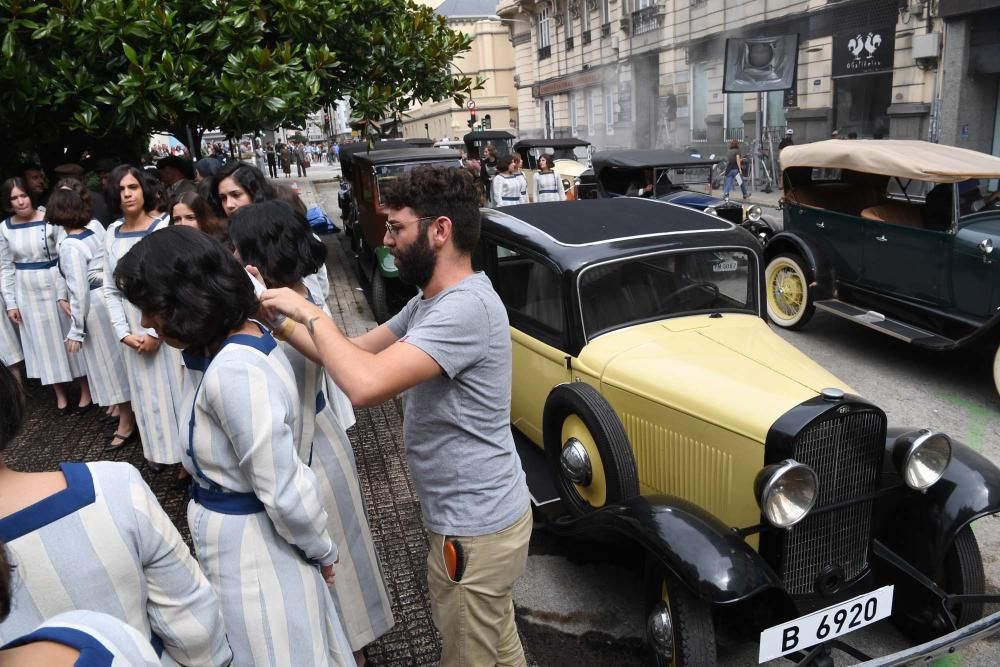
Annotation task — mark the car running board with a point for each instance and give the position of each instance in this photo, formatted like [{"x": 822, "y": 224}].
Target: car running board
[
  {"x": 887, "y": 325},
  {"x": 544, "y": 494}
]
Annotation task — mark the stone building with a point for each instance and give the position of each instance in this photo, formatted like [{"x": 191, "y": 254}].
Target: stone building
[
  {"x": 640, "y": 73},
  {"x": 490, "y": 57}
]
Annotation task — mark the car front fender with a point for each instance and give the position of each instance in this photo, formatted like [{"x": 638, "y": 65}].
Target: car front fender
[
  {"x": 924, "y": 525},
  {"x": 819, "y": 266},
  {"x": 703, "y": 553}
]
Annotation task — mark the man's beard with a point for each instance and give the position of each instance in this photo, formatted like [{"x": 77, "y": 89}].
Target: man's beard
[{"x": 416, "y": 263}]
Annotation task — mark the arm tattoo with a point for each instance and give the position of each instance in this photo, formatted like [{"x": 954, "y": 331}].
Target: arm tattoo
[{"x": 311, "y": 325}]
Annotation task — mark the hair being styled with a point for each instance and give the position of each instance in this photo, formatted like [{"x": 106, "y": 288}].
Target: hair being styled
[
  {"x": 248, "y": 177},
  {"x": 113, "y": 193},
  {"x": 7, "y": 188},
  {"x": 286, "y": 194},
  {"x": 440, "y": 191},
  {"x": 68, "y": 209},
  {"x": 11, "y": 407},
  {"x": 270, "y": 236},
  {"x": 208, "y": 222},
  {"x": 191, "y": 281}
]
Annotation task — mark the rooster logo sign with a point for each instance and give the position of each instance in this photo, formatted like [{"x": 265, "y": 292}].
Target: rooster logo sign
[{"x": 861, "y": 43}]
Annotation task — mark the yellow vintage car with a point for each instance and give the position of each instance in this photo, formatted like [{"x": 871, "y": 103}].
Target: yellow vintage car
[{"x": 651, "y": 401}]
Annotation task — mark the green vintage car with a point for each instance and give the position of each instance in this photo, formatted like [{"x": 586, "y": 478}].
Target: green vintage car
[{"x": 897, "y": 236}]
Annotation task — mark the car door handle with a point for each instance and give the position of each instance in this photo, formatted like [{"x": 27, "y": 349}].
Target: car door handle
[
  {"x": 821, "y": 225},
  {"x": 881, "y": 238}
]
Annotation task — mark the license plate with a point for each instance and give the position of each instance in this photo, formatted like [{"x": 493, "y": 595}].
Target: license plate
[
  {"x": 725, "y": 267},
  {"x": 825, "y": 624}
]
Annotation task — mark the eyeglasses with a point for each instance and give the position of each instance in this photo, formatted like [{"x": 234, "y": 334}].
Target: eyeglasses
[{"x": 394, "y": 229}]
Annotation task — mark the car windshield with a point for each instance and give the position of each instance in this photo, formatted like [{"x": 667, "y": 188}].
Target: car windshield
[
  {"x": 387, "y": 173},
  {"x": 655, "y": 287}
]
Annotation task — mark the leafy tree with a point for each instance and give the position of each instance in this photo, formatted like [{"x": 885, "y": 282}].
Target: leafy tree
[{"x": 106, "y": 73}]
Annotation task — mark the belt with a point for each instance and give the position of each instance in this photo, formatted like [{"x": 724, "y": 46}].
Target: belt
[
  {"x": 226, "y": 502},
  {"x": 34, "y": 266},
  {"x": 94, "y": 286},
  {"x": 511, "y": 198},
  {"x": 547, "y": 192},
  {"x": 320, "y": 402}
]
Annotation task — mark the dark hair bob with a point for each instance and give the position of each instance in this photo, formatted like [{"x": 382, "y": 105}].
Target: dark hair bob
[
  {"x": 7, "y": 188},
  {"x": 67, "y": 208},
  {"x": 188, "y": 279},
  {"x": 114, "y": 195},
  {"x": 270, "y": 236},
  {"x": 248, "y": 177}
]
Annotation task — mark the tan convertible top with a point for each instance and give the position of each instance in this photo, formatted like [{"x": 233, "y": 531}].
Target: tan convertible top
[{"x": 918, "y": 160}]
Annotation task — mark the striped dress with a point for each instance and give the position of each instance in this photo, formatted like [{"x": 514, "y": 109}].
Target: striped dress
[
  {"x": 154, "y": 380},
  {"x": 509, "y": 190},
  {"x": 547, "y": 186},
  {"x": 102, "y": 640},
  {"x": 255, "y": 515},
  {"x": 30, "y": 282},
  {"x": 81, "y": 261},
  {"x": 105, "y": 544},
  {"x": 10, "y": 340},
  {"x": 360, "y": 592}
]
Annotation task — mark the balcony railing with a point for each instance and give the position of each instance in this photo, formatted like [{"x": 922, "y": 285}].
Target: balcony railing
[
  {"x": 585, "y": 38},
  {"x": 569, "y": 43},
  {"x": 605, "y": 30},
  {"x": 646, "y": 20},
  {"x": 544, "y": 52}
]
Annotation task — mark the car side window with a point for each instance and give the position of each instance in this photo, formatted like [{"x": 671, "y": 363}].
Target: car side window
[
  {"x": 530, "y": 289},
  {"x": 366, "y": 195}
]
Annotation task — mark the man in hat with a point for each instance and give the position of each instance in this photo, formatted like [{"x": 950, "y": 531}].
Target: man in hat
[{"x": 176, "y": 174}]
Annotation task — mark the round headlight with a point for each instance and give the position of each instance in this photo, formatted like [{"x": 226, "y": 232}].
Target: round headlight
[
  {"x": 786, "y": 492},
  {"x": 754, "y": 213},
  {"x": 710, "y": 210},
  {"x": 922, "y": 457}
]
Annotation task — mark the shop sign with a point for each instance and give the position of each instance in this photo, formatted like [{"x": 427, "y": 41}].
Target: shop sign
[
  {"x": 863, "y": 52},
  {"x": 584, "y": 80}
]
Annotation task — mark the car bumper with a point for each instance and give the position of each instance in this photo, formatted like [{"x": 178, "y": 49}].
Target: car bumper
[{"x": 943, "y": 645}]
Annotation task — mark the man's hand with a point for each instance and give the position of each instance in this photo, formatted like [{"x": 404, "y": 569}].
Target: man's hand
[
  {"x": 290, "y": 304},
  {"x": 14, "y": 315}
]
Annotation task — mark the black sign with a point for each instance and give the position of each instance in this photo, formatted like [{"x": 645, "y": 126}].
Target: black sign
[{"x": 863, "y": 52}]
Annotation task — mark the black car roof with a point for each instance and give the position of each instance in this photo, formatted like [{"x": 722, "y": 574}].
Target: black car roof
[
  {"x": 348, "y": 151},
  {"x": 487, "y": 134},
  {"x": 570, "y": 142},
  {"x": 639, "y": 159},
  {"x": 407, "y": 155},
  {"x": 576, "y": 233}
]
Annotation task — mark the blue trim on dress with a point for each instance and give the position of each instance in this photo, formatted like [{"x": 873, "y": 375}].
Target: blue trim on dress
[
  {"x": 195, "y": 361},
  {"x": 92, "y": 652},
  {"x": 119, "y": 234},
  {"x": 79, "y": 493},
  {"x": 25, "y": 225},
  {"x": 226, "y": 502},
  {"x": 82, "y": 235},
  {"x": 35, "y": 266},
  {"x": 264, "y": 343}
]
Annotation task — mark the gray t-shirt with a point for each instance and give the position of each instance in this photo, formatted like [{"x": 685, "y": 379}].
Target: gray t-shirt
[{"x": 456, "y": 427}]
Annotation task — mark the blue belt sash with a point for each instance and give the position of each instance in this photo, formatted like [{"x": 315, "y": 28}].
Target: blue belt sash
[
  {"x": 226, "y": 502},
  {"x": 97, "y": 285},
  {"x": 547, "y": 192},
  {"x": 511, "y": 198},
  {"x": 35, "y": 266}
]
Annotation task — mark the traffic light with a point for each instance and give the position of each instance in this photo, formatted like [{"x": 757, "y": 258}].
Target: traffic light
[{"x": 472, "y": 119}]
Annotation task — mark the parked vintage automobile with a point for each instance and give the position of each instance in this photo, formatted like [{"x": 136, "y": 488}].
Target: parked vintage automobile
[
  {"x": 476, "y": 142},
  {"x": 346, "y": 157},
  {"x": 674, "y": 177},
  {"x": 369, "y": 174},
  {"x": 570, "y": 157},
  {"x": 897, "y": 236},
  {"x": 653, "y": 402}
]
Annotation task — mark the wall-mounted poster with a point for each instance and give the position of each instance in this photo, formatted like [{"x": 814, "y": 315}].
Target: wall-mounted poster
[
  {"x": 863, "y": 51},
  {"x": 760, "y": 64}
]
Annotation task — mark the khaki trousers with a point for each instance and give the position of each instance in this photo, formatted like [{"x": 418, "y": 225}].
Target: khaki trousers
[{"x": 476, "y": 615}]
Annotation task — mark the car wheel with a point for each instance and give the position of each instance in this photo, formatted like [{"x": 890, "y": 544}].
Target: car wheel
[
  {"x": 996, "y": 369},
  {"x": 789, "y": 304},
  {"x": 685, "y": 635},
  {"x": 962, "y": 573},
  {"x": 380, "y": 297},
  {"x": 587, "y": 449}
]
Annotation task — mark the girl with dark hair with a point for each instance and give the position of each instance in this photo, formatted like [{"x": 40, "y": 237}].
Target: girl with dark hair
[
  {"x": 238, "y": 184},
  {"x": 255, "y": 516},
  {"x": 154, "y": 374},
  {"x": 546, "y": 185},
  {"x": 506, "y": 186},
  {"x": 193, "y": 210},
  {"x": 81, "y": 263},
  {"x": 93, "y": 535},
  {"x": 32, "y": 289},
  {"x": 269, "y": 237}
]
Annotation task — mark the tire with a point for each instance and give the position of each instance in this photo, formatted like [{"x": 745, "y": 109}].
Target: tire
[
  {"x": 961, "y": 573},
  {"x": 789, "y": 301},
  {"x": 577, "y": 410},
  {"x": 691, "y": 618},
  {"x": 996, "y": 369},
  {"x": 380, "y": 297}
]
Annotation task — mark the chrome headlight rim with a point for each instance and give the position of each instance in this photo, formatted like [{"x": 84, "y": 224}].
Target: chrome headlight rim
[
  {"x": 922, "y": 457},
  {"x": 754, "y": 212},
  {"x": 769, "y": 483}
]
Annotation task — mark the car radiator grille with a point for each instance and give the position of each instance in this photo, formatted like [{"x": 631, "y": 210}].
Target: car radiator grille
[{"x": 846, "y": 453}]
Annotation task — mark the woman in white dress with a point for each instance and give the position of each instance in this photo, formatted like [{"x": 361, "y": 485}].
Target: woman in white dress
[
  {"x": 81, "y": 263},
  {"x": 32, "y": 289},
  {"x": 255, "y": 515},
  {"x": 507, "y": 186},
  {"x": 547, "y": 186},
  {"x": 272, "y": 239},
  {"x": 153, "y": 370},
  {"x": 516, "y": 168}
]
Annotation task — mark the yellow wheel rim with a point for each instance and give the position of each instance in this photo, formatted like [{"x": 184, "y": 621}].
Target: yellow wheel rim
[
  {"x": 595, "y": 493},
  {"x": 996, "y": 369},
  {"x": 786, "y": 291}
]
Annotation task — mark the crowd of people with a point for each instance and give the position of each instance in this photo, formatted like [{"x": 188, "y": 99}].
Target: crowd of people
[
  {"x": 198, "y": 321},
  {"x": 504, "y": 183}
]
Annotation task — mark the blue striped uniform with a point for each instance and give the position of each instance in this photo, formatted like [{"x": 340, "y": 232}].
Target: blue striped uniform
[
  {"x": 256, "y": 518},
  {"x": 547, "y": 187},
  {"x": 81, "y": 261},
  {"x": 105, "y": 544},
  {"x": 154, "y": 380},
  {"x": 102, "y": 640}
]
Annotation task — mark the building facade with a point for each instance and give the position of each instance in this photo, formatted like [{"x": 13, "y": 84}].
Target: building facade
[
  {"x": 642, "y": 73},
  {"x": 490, "y": 57}
]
